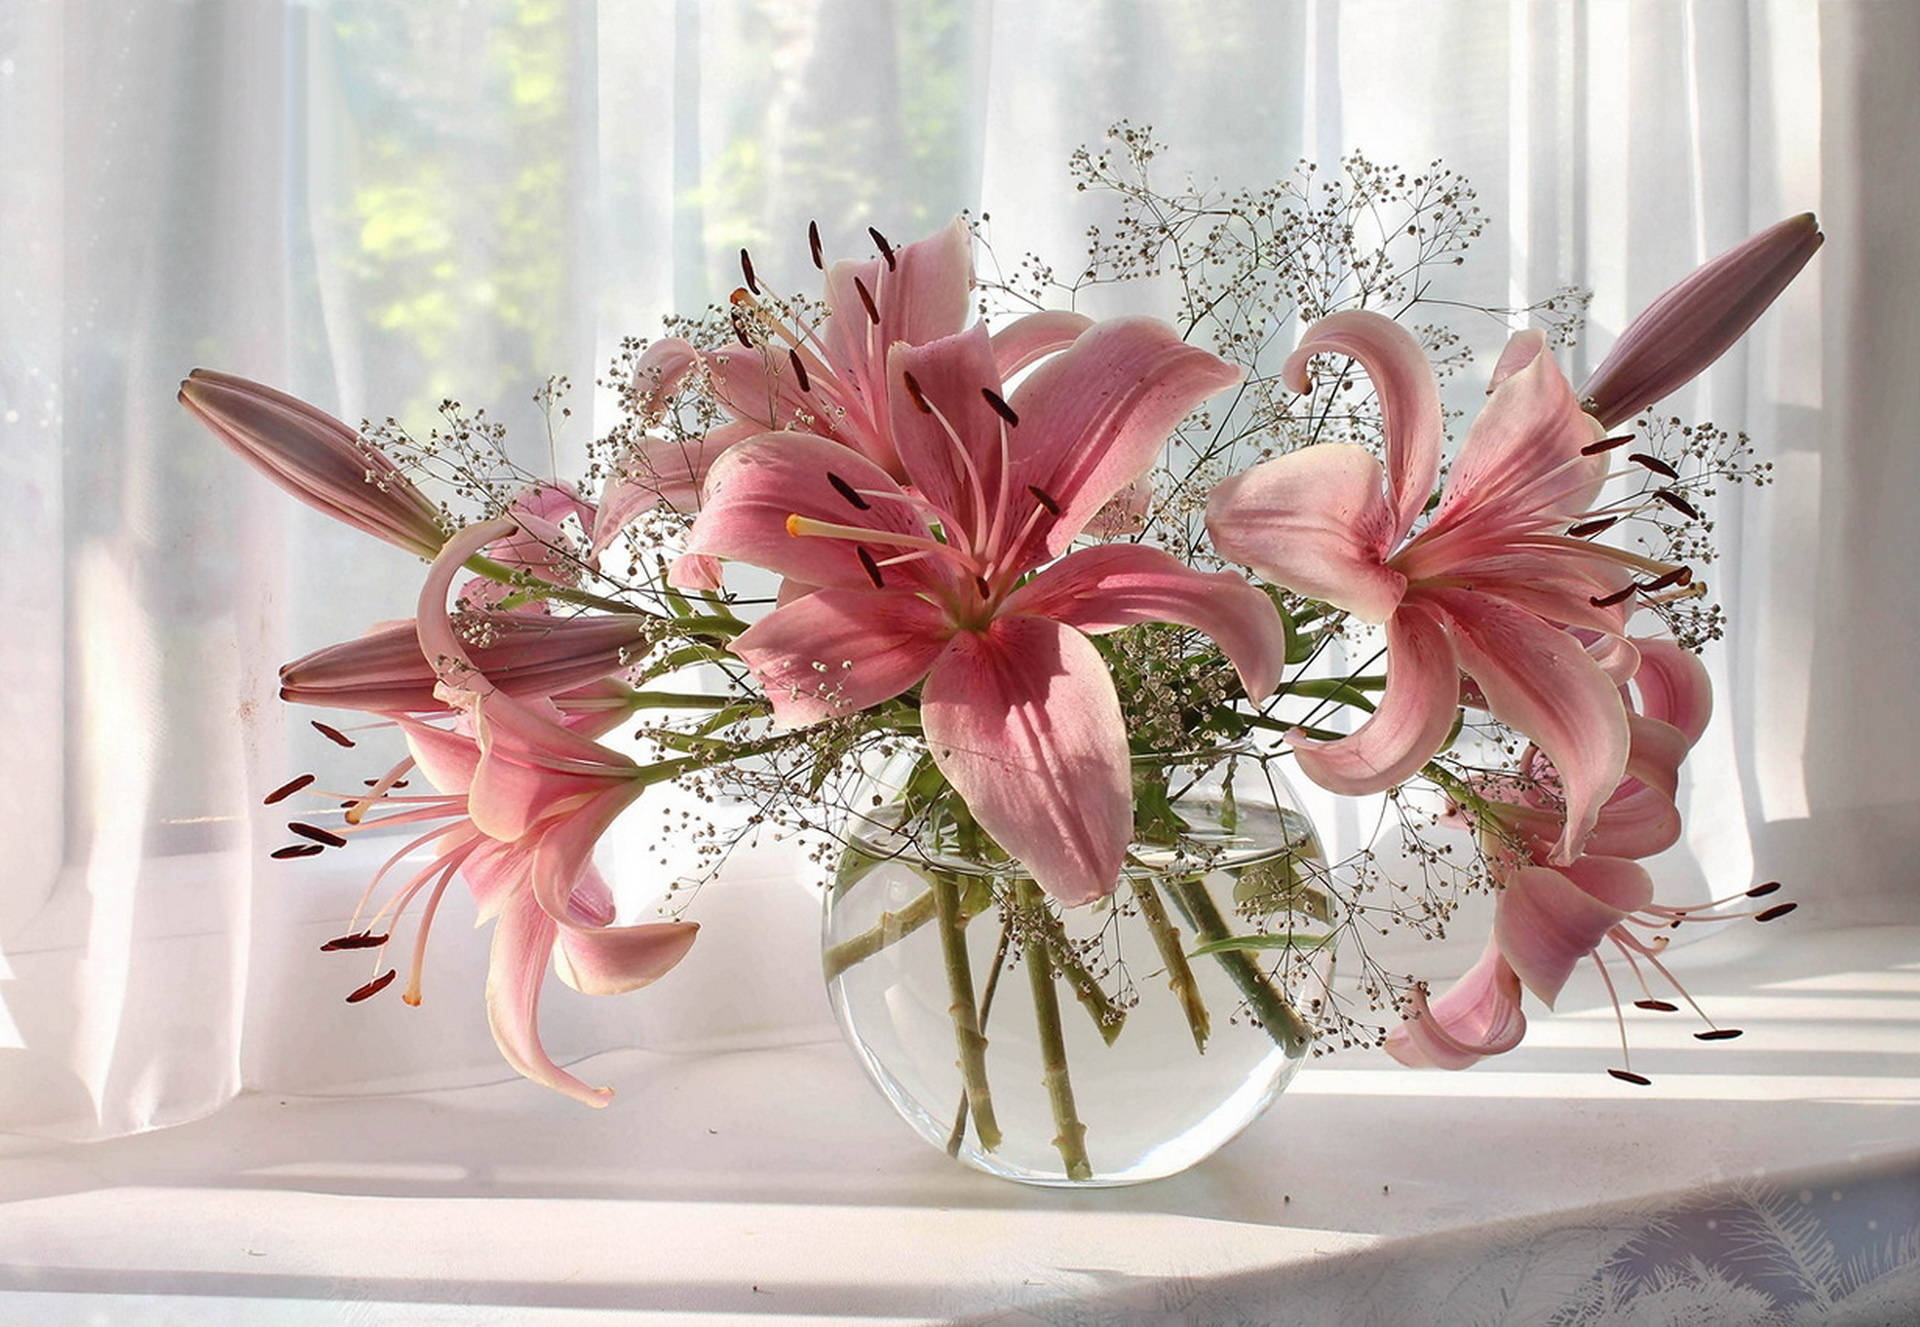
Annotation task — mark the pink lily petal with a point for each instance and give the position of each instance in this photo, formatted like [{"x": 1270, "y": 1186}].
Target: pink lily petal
[
  {"x": 1521, "y": 469},
  {"x": 1315, "y": 521},
  {"x": 1638, "y": 822},
  {"x": 923, "y": 295},
  {"x": 659, "y": 472},
  {"x": 1539, "y": 680},
  {"x": 1023, "y": 720},
  {"x": 695, "y": 571},
  {"x": 1674, "y": 686},
  {"x": 1413, "y": 719},
  {"x": 530, "y": 765},
  {"x": 1409, "y": 399},
  {"x": 1093, "y": 419},
  {"x": 611, "y": 960},
  {"x": 1522, "y": 349},
  {"x": 1111, "y": 586},
  {"x": 1547, "y": 920},
  {"x": 834, "y": 652},
  {"x": 1654, "y": 752},
  {"x": 755, "y": 486},
  {"x": 1698, "y": 320},
  {"x": 1479, "y": 1015},
  {"x": 1027, "y": 340},
  {"x": 523, "y": 939},
  {"x": 952, "y": 457},
  {"x": 759, "y": 388},
  {"x": 591, "y": 903},
  {"x": 662, "y": 367},
  {"x": 448, "y": 759}
]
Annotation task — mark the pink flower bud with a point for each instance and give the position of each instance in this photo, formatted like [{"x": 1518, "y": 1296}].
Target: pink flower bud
[
  {"x": 1697, "y": 321},
  {"x": 316, "y": 458},
  {"x": 384, "y": 671}
]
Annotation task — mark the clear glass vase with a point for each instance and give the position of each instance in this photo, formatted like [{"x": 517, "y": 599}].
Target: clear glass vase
[{"x": 1112, "y": 1043}]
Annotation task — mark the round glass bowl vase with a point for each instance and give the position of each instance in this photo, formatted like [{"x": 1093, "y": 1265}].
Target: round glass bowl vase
[{"x": 1111, "y": 1043}]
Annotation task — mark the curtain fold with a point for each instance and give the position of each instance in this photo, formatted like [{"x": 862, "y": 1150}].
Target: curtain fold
[{"x": 380, "y": 205}]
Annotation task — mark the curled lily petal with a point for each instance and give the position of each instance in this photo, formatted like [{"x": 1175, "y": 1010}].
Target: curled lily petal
[
  {"x": 1112, "y": 586},
  {"x": 1409, "y": 399},
  {"x": 1315, "y": 521},
  {"x": 951, "y": 453},
  {"x": 611, "y": 960},
  {"x": 1023, "y": 720},
  {"x": 1548, "y": 919},
  {"x": 1412, "y": 721},
  {"x": 658, "y": 373},
  {"x": 523, "y": 940},
  {"x": 921, "y": 296},
  {"x": 1027, "y": 340},
  {"x": 1478, "y": 1016},
  {"x": 1673, "y": 686}
]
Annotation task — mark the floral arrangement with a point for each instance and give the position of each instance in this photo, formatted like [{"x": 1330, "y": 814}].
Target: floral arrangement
[{"x": 1038, "y": 560}]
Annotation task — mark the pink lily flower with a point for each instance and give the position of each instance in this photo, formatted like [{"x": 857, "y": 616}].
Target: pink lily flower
[
  {"x": 316, "y": 458},
  {"x": 1487, "y": 587},
  {"x": 1698, "y": 320},
  {"x": 524, "y": 794},
  {"x": 930, "y": 583},
  {"x": 828, "y": 381},
  {"x": 1549, "y": 919},
  {"x": 525, "y": 655}
]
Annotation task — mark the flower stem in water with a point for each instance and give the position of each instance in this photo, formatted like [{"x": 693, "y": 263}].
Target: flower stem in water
[
  {"x": 1280, "y": 1019},
  {"x": 892, "y": 926},
  {"x": 1179, "y": 975},
  {"x": 972, "y": 1062},
  {"x": 1072, "y": 1136},
  {"x": 959, "y": 1133}
]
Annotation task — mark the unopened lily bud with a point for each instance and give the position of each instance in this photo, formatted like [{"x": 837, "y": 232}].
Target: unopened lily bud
[
  {"x": 316, "y": 458},
  {"x": 385, "y": 672},
  {"x": 1697, "y": 321}
]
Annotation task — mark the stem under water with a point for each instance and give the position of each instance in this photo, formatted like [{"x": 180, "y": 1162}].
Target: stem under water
[
  {"x": 1179, "y": 974},
  {"x": 1282, "y": 1022},
  {"x": 1071, "y": 1137},
  {"x": 891, "y": 927},
  {"x": 972, "y": 1061}
]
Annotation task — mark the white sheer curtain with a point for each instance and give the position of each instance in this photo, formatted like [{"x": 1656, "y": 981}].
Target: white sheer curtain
[{"x": 378, "y": 204}]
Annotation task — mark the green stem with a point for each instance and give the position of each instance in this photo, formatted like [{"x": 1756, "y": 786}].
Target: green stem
[
  {"x": 972, "y": 1061},
  {"x": 1107, "y": 1016},
  {"x": 959, "y": 1133},
  {"x": 719, "y": 626},
  {"x": 1288, "y": 1030},
  {"x": 892, "y": 926},
  {"x": 1071, "y": 1137},
  {"x": 1179, "y": 974}
]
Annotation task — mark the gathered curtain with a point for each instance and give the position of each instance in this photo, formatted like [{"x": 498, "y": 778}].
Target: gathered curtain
[{"x": 379, "y": 206}]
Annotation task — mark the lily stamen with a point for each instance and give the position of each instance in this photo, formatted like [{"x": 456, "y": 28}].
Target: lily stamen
[{"x": 886, "y": 250}]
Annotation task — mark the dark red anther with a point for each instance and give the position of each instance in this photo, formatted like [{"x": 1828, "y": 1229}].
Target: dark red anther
[
  {"x": 1653, "y": 463},
  {"x": 374, "y": 987},
  {"x": 358, "y": 940},
  {"x": 813, "y": 243},
  {"x": 331, "y": 733},
  {"x": 317, "y": 834},
  {"x": 1777, "y": 910},
  {"x": 799, "y": 370},
  {"x": 1761, "y": 891},
  {"x": 746, "y": 270},
  {"x": 1609, "y": 600},
  {"x": 1000, "y": 406},
  {"x": 886, "y": 250},
  {"x": 1717, "y": 1034},
  {"x": 1629, "y": 1076},
  {"x": 1678, "y": 576},
  {"x": 866, "y": 298},
  {"x": 1586, "y": 528},
  {"x": 1658, "y": 1006},
  {"x": 295, "y": 850},
  {"x": 847, "y": 491},
  {"x": 1044, "y": 498},
  {"x": 286, "y": 790},
  {"x": 868, "y": 565},
  {"x": 1678, "y": 503},
  {"x": 739, "y": 328},
  {"x": 1606, "y": 444},
  {"x": 913, "y": 390}
]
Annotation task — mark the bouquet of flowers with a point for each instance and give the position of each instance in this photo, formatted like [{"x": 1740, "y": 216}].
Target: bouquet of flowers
[{"x": 1047, "y": 596}]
